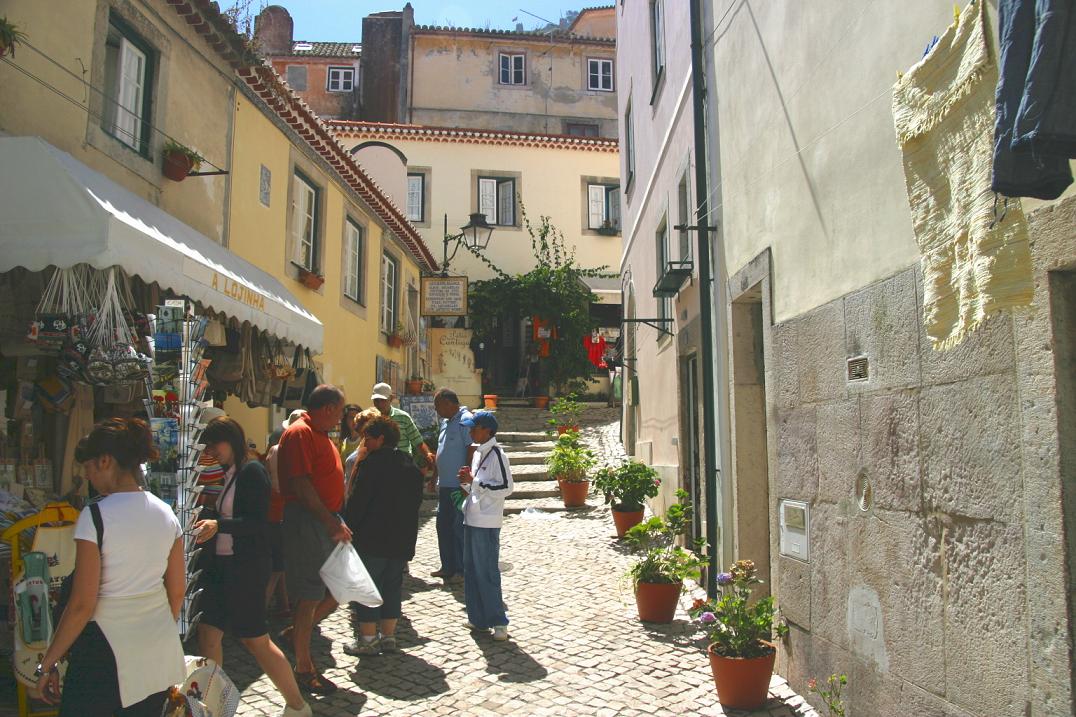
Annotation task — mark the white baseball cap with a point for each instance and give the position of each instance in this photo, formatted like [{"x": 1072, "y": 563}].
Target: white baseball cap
[
  {"x": 382, "y": 391},
  {"x": 292, "y": 418}
]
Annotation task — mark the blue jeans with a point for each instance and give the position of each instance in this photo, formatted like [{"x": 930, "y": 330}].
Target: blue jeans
[
  {"x": 482, "y": 589},
  {"x": 449, "y": 533}
]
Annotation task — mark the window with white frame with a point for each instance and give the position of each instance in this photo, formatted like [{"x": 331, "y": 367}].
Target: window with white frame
[
  {"x": 657, "y": 38},
  {"x": 341, "y": 79},
  {"x": 354, "y": 247},
  {"x": 600, "y": 74},
  {"x": 603, "y": 206},
  {"x": 582, "y": 129},
  {"x": 513, "y": 69},
  {"x": 416, "y": 197},
  {"x": 390, "y": 281},
  {"x": 497, "y": 200},
  {"x": 128, "y": 75},
  {"x": 304, "y": 206}
]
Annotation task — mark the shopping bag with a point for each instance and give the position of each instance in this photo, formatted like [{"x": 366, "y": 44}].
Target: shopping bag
[
  {"x": 207, "y": 692},
  {"x": 347, "y": 579}
]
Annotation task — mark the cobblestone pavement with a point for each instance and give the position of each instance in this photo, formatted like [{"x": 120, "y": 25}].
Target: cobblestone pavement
[{"x": 577, "y": 646}]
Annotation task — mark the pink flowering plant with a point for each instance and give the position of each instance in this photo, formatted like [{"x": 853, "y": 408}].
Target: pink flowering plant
[
  {"x": 734, "y": 626},
  {"x": 628, "y": 485}
]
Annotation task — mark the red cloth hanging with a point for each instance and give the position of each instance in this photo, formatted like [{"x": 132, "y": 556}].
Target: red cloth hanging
[
  {"x": 595, "y": 350},
  {"x": 543, "y": 332}
]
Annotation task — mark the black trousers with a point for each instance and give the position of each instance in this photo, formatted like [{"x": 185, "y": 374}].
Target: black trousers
[{"x": 91, "y": 685}]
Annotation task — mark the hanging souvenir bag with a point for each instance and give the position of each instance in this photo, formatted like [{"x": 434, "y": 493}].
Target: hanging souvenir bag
[
  {"x": 296, "y": 388},
  {"x": 64, "y": 299}
]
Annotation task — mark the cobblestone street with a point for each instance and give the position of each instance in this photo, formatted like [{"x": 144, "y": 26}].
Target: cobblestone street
[{"x": 576, "y": 648}]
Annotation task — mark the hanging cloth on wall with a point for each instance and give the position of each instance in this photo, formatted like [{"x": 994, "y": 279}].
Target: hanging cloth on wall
[
  {"x": 543, "y": 333},
  {"x": 974, "y": 262},
  {"x": 595, "y": 349}
]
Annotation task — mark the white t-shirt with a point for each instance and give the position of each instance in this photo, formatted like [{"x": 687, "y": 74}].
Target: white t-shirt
[{"x": 139, "y": 532}]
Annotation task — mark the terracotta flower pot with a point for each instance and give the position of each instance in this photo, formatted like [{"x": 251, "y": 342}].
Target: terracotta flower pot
[
  {"x": 395, "y": 341},
  {"x": 414, "y": 388},
  {"x": 311, "y": 280},
  {"x": 561, "y": 430},
  {"x": 657, "y": 601},
  {"x": 176, "y": 166},
  {"x": 742, "y": 682},
  {"x": 541, "y": 401},
  {"x": 574, "y": 494},
  {"x": 490, "y": 399},
  {"x": 625, "y": 520}
]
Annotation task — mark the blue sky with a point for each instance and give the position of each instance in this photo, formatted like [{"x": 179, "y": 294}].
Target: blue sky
[{"x": 341, "y": 20}]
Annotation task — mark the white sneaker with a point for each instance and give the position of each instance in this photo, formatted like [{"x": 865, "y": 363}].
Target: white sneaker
[
  {"x": 500, "y": 633},
  {"x": 304, "y": 711}
]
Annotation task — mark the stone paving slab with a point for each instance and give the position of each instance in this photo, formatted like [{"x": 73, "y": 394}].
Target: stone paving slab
[{"x": 577, "y": 645}]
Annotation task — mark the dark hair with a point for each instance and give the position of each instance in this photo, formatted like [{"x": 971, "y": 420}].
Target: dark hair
[
  {"x": 383, "y": 426},
  {"x": 128, "y": 440},
  {"x": 227, "y": 430},
  {"x": 345, "y": 429},
  {"x": 446, "y": 394},
  {"x": 274, "y": 437},
  {"x": 324, "y": 395}
]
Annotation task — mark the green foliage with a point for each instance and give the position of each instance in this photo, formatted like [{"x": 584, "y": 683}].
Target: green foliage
[
  {"x": 171, "y": 146},
  {"x": 553, "y": 290},
  {"x": 626, "y": 486},
  {"x": 736, "y": 627},
  {"x": 831, "y": 695},
  {"x": 566, "y": 411},
  {"x": 663, "y": 561},
  {"x": 10, "y": 35},
  {"x": 570, "y": 460}
]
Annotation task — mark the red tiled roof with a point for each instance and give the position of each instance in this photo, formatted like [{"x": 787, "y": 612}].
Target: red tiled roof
[
  {"x": 209, "y": 22},
  {"x": 269, "y": 86},
  {"x": 421, "y": 133},
  {"x": 326, "y": 49},
  {"x": 535, "y": 35}
]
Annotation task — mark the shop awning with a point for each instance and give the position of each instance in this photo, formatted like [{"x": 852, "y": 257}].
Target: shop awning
[{"x": 56, "y": 211}]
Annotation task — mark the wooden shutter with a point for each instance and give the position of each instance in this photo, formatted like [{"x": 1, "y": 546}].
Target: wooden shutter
[
  {"x": 487, "y": 199},
  {"x": 506, "y": 202},
  {"x": 612, "y": 212},
  {"x": 595, "y": 205}
]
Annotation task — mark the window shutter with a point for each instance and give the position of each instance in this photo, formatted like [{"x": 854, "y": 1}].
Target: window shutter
[
  {"x": 612, "y": 196},
  {"x": 487, "y": 199},
  {"x": 506, "y": 70},
  {"x": 297, "y": 219},
  {"x": 519, "y": 69},
  {"x": 596, "y": 205},
  {"x": 506, "y": 202},
  {"x": 128, "y": 126}
]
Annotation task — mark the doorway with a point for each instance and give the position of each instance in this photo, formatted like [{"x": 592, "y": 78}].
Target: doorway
[{"x": 751, "y": 485}]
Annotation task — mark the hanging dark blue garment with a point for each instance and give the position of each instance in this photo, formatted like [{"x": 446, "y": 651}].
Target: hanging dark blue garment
[{"x": 1035, "y": 129}]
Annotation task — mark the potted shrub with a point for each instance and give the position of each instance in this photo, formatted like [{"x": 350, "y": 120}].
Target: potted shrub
[
  {"x": 178, "y": 161},
  {"x": 741, "y": 652},
  {"x": 310, "y": 279},
  {"x": 568, "y": 465},
  {"x": 565, "y": 412},
  {"x": 607, "y": 229},
  {"x": 413, "y": 385},
  {"x": 627, "y": 487},
  {"x": 395, "y": 338},
  {"x": 658, "y": 576},
  {"x": 10, "y": 35}
]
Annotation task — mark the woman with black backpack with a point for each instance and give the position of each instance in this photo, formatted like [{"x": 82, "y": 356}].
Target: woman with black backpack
[{"x": 120, "y": 620}]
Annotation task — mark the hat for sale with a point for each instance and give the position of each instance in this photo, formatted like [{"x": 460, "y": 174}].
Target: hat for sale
[
  {"x": 482, "y": 419},
  {"x": 292, "y": 418},
  {"x": 382, "y": 391}
]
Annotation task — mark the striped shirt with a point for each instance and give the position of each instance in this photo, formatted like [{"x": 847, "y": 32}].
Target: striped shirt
[{"x": 410, "y": 437}]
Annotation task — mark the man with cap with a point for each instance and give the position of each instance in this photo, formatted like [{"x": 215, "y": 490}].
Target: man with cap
[
  {"x": 485, "y": 484},
  {"x": 411, "y": 441},
  {"x": 453, "y": 441}
]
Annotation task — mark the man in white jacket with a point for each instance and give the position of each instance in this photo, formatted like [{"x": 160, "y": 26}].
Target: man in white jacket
[{"x": 485, "y": 484}]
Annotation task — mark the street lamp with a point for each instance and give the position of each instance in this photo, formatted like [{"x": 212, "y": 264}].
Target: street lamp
[{"x": 475, "y": 235}]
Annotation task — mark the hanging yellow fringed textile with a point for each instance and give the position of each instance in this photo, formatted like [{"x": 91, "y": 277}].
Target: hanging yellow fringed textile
[{"x": 974, "y": 248}]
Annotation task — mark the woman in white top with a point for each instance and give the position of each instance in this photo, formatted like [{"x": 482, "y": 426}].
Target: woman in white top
[{"x": 120, "y": 621}]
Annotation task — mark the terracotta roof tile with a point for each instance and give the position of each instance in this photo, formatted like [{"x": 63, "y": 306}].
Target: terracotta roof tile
[
  {"x": 302, "y": 48},
  {"x": 421, "y": 133},
  {"x": 560, "y": 35}
]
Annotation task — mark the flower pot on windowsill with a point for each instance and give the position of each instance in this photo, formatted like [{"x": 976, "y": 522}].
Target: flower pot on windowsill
[
  {"x": 310, "y": 279},
  {"x": 413, "y": 387},
  {"x": 608, "y": 231},
  {"x": 395, "y": 341}
]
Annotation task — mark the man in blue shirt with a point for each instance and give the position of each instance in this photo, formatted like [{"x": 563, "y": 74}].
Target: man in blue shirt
[{"x": 453, "y": 441}]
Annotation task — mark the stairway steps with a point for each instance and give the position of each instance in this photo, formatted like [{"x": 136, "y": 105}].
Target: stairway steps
[
  {"x": 511, "y": 437},
  {"x": 533, "y": 489},
  {"x": 524, "y": 458}
]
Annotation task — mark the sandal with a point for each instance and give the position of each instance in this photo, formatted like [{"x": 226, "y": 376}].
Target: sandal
[{"x": 315, "y": 683}]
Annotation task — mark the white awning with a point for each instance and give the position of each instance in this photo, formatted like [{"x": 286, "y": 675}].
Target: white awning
[{"x": 56, "y": 211}]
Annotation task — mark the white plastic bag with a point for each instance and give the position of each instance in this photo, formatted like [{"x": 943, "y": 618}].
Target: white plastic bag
[{"x": 347, "y": 578}]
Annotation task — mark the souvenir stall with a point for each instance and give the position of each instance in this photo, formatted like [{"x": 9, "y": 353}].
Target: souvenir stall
[{"x": 109, "y": 306}]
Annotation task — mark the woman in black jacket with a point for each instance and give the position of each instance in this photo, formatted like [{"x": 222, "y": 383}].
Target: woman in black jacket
[
  {"x": 241, "y": 562},
  {"x": 382, "y": 513}
]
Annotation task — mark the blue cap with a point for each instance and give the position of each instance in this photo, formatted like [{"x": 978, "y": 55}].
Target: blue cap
[{"x": 485, "y": 419}]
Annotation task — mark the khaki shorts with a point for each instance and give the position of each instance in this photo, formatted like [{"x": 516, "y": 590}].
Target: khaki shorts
[{"x": 307, "y": 546}]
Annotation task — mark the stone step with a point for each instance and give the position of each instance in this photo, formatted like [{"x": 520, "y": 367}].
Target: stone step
[
  {"x": 530, "y": 471},
  {"x": 523, "y": 458},
  {"x": 526, "y": 490},
  {"x": 522, "y": 437},
  {"x": 531, "y": 447},
  {"x": 546, "y": 505}
]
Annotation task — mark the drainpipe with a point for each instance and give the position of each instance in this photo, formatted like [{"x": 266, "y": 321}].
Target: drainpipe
[{"x": 714, "y": 415}]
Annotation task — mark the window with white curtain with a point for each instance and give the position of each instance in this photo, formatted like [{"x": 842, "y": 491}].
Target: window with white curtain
[
  {"x": 127, "y": 87},
  {"x": 603, "y": 206},
  {"x": 390, "y": 281},
  {"x": 354, "y": 246},
  {"x": 497, "y": 200},
  {"x": 304, "y": 202}
]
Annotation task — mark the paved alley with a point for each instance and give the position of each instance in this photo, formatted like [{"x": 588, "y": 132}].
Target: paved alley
[{"x": 576, "y": 648}]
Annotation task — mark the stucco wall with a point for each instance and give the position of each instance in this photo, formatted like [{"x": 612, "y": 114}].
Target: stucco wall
[
  {"x": 455, "y": 84},
  {"x": 330, "y": 105}
]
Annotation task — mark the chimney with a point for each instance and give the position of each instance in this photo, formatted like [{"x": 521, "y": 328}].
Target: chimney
[{"x": 273, "y": 30}]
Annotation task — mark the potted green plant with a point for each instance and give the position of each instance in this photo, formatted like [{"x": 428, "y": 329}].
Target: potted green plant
[
  {"x": 413, "y": 385},
  {"x": 179, "y": 160},
  {"x": 568, "y": 464},
  {"x": 395, "y": 337},
  {"x": 428, "y": 387},
  {"x": 627, "y": 487},
  {"x": 566, "y": 411},
  {"x": 740, "y": 633},
  {"x": 608, "y": 229},
  {"x": 10, "y": 35},
  {"x": 659, "y": 574}
]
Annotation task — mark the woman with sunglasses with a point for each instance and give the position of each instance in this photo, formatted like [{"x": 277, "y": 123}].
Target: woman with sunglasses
[
  {"x": 120, "y": 620},
  {"x": 241, "y": 563}
]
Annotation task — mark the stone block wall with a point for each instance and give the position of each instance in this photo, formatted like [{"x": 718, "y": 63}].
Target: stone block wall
[{"x": 944, "y": 590}]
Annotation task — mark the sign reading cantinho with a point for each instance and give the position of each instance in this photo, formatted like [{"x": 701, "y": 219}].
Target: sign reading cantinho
[{"x": 444, "y": 296}]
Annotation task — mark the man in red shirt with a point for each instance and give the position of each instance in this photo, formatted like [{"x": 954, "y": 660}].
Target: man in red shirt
[{"x": 312, "y": 484}]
